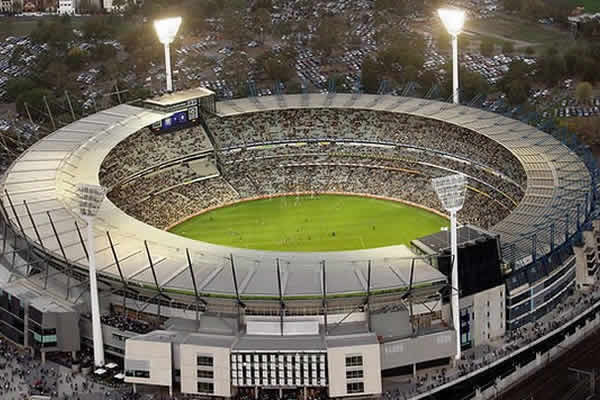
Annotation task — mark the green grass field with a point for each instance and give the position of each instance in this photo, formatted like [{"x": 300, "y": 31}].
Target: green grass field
[
  {"x": 591, "y": 6},
  {"x": 322, "y": 223}
]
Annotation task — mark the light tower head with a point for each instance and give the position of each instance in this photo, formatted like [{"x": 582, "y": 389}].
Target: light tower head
[
  {"x": 451, "y": 191},
  {"x": 90, "y": 199},
  {"x": 167, "y": 28},
  {"x": 453, "y": 19}
]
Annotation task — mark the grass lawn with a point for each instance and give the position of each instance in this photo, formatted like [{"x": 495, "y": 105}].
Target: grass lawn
[
  {"x": 591, "y": 6},
  {"x": 23, "y": 26},
  {"x": 512, "y": 27},
  {"x": 322, "y": 223}
]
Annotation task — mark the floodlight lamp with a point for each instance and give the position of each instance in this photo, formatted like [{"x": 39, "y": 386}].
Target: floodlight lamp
[
  {"x": 90, "y": 199},
  {"x": 453, "y": 19},
  {"x": 451, "y": 191},
  {"x": 167, "y": 28}
]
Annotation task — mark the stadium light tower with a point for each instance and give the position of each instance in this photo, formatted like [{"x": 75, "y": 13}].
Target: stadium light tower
[
  {"x": 166, "y": 29},
  {"x": 451, "y": 192},
  {"x": 453, "y": 20},
  {"x": 90, "y": 198}
]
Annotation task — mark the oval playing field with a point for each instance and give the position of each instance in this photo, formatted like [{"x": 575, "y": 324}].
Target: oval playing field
[{"x": 312, "y": 223}]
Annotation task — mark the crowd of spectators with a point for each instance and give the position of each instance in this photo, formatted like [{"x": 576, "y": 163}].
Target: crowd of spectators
[
  {"x": 22, "y": 376},
  {"x": 248, "y": 178},
  {"x": 145, "y": 149},
  {"x": 385, "y": 127},
  {"x": 125, "y": 323},
  {"x": 253, "y": 161}
]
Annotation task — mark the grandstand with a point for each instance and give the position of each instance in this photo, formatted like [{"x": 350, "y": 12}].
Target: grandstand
[{"x": 524, "y": 185}]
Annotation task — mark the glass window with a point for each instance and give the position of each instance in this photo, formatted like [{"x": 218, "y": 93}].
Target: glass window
[
  {"x": 204, "y": 361},
  {"x": 354, "y": 361},
  {"x": 205, "y": 374},
  {"x": 137, "y": 373},
  {"x": 355, "y": 387},
  {"x": 206, "y": 387},
  {"x": 354, "y": 374}
]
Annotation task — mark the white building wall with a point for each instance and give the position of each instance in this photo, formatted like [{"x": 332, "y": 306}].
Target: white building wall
[
  {"x": 490, "y": 315},
  {"x": 6, "y": 6},
  {"x": 336, "y": 366},
  {"x": 160, "y": 359},
  {"x": 66, "y": 7},
  {"x": 586, "y": 254},
  {"x": 221, "y": 368}
]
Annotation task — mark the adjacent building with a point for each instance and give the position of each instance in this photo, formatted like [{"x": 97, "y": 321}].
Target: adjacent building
[
  {"x": 37, "y": 320},
  {"x": 212, "y": 357}
]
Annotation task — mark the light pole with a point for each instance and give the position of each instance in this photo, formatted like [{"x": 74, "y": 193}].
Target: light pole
[
  {"x": 166, "y": 29},
  {"x": 90, "y": 198},
  {"x": 453, "y": 20},
  {"x": 451, "y": 192}
]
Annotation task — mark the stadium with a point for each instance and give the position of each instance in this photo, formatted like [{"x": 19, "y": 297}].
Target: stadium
[{"x": 254, "y": 314}]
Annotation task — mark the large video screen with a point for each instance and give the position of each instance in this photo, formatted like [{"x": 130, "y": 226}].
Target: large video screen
[{"x": 179, "y": 118}]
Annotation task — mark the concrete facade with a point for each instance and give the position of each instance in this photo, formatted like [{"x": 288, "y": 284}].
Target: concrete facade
[
  {"x": 587, "y": 256},
  {"x": 340, "y": 369},
  {"x": 221, "y": 369},
  {"x": 149, "y": 355},
  {"x": 410, "y": 351},
  {"x": 486, "y": 315}
]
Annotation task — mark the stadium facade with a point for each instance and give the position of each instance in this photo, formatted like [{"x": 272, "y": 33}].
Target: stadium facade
[{"x": 235, "y": 320}]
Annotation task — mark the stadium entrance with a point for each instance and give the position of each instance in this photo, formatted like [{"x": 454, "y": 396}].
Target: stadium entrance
[{"x": 287, "y": 393}]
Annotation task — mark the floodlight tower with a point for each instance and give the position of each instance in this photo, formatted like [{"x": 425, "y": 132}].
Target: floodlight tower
[
  {"x": 451, "y": 192},
  {"x": 453, "y": 20},
  {"x": 90, "y": 199},
  {"x": 166, "y": 29}
]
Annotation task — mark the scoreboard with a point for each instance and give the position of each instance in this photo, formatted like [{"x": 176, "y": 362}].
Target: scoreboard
[
  {"x": 184, "y": 108},
  {"x": 178, "y": 120}
]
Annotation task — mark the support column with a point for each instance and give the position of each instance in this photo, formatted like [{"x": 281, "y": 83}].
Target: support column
[
  {"x": 95, "y": 302},
  {"x": 168, "y": 68},
  {"x": 455, "y": 287},
  {"x": 414, "y": 370},
  {"x": 455, "y": 88},
  {"x": 26, "y": 325},
  {"x": 43, "y": 354}
]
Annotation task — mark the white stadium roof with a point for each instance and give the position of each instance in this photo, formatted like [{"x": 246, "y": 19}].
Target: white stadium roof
[{"x": 47, "y": 174}]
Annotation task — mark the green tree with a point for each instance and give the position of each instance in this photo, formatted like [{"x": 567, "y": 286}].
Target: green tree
[
  {"x": 56, "y": 76},
  {"x": 329, "y": 35},
  {"x": 590, "y": 70},
  {"x": 76, "y": 58},
  {"x": 275, "y": 67},
  {"x": 235, "y": 30},
  {"x": 57, "y": 33},
  {"x": 583, "y": 92},
  {"x": 370, "y": 75},
  {"x": 518, "y": 71},
  {"x": 263, "y": 22},
  {"x": 236, "y": 68},
  {"x": 98, "y": 28},
  {"x": 16, "y": 86},
  {"x": 35, "y": 100},
  {"x": 517, "y": 93},
  {"x": 16, "y": 58},
  {"x": 551, "y": 69},
  {"x": 530, "y": 50},
  {"x": 487, "y": 47},
  {"x": 508, "y": 48}
]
